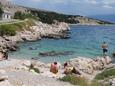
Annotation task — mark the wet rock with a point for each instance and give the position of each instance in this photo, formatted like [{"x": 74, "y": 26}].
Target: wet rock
[
  {"x": 113, "y": 55},
  {"x": 31, "y": 48},
  {"x": 54, "y": 53}
]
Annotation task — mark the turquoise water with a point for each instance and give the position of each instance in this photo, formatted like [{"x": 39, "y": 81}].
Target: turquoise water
[{"x": 85, "y": 41}]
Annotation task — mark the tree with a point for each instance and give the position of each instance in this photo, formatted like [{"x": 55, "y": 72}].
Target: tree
[
  {"x": 1, "y": 12},
  {"x": 18, "y": 15}
]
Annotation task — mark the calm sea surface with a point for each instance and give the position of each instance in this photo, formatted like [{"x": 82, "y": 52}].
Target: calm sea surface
[{"x": 85, "y": 41}]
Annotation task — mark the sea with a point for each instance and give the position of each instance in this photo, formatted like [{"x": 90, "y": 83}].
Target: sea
[
  {"x": 84, "y": 41},
  {"x": 109, "y": 17}
]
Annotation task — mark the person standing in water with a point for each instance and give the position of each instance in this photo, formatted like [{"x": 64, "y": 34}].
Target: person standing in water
[{"x": 105, "y": 48}]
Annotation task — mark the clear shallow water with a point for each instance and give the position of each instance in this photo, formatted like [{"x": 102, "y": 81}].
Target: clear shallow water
[{"x": 85, "y": 41}]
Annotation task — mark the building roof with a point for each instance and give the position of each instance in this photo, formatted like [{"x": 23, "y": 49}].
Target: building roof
[{"x": 7, "y": 12}]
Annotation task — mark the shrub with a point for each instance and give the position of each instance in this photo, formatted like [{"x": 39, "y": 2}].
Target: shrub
[
  {"x": 33, "y": 68},
  {"x": 106, "y": 74},
  {"x": 75, "y": 80},
  {"x": 7, "y": 30},
  {"x": 22, "y": 16},
  {"x": 36, "y": 70},
  {"x": 1, "y": 12}
]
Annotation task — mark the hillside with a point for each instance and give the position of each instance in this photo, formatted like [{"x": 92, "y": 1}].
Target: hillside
[{"x": 50, "y": 16}]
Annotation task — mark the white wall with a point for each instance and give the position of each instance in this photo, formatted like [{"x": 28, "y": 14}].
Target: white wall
[{"x": 6, "y": 16}]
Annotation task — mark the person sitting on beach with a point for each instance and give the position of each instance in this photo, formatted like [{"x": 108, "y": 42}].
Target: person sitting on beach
[
  {"x": 70, "y": 70},
  {"x": 3, "y": 55},
  {"x": 67, "y": 70},
  {"x": 105, "y": 48},
  {"x": 54, "y": 68}
]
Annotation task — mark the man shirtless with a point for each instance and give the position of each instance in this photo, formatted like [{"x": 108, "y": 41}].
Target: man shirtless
[{"x": 105, "y": 48}]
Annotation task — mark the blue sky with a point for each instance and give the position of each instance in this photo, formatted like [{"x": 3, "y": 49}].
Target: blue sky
[{"x": 82, "y": 7}]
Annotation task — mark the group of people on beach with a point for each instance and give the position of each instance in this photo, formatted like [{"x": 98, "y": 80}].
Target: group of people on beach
[{"x": 66, "y": 67}]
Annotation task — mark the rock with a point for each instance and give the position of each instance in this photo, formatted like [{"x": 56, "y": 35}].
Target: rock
[
  {"x": 5, "y": 83},
  {"x": 2, "y": 71},
  {"x": 54, "y": 53},
  {"x": 27, "y": 63},
  {"x": 88, "y": 65},
  {"x": 40, "y": 30},
  {"x": 1, "y": 56},
  {"x": 108, "y": 59},
  {"x": 113, "y": 55},
  {"x": 3, "y": 75}
]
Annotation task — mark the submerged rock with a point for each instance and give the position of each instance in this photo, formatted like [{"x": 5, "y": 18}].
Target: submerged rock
[{"x": 54, "y": 53}]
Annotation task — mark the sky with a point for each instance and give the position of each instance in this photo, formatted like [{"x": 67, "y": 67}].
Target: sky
[{"x": 74, "y": 7}]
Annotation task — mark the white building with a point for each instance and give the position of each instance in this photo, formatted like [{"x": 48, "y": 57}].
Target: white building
[{"x": 6, "y": 15}]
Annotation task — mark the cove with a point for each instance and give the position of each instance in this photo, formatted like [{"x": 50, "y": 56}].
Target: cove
[{"x": 85, "y": 41}]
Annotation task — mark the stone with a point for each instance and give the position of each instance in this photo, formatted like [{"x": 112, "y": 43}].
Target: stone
[
  {"x": 27, "y": 63},
  {"x": 3, "y": 75},
  {"x": 5, "y": 83},
  {"x": 88, "y": 65},
  {"x": 54, "y": 53}
]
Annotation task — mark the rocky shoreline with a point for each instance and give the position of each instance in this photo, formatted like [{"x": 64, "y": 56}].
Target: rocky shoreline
[
  {"x": 16, "y": 72},
  {"x": 36, "y": 32}
]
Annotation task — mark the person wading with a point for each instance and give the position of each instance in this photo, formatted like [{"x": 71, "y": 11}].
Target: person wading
[{"x": 105, "y": 48}]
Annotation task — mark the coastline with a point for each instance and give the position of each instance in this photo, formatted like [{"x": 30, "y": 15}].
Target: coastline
[
  {"x": 88, "y": 67},
  {"x": 20, "y": 68},
  {"x": 35, "y": 32}
]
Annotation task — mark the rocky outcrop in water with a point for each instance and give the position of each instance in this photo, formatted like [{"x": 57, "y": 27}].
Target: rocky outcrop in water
[{"x": 54, "y": 53}]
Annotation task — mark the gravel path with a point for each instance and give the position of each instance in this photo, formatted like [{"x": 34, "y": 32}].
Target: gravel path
[{"x": 24, "y": 78}]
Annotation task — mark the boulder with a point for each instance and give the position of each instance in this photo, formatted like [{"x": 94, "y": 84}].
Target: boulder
[
  {"x": 54, "y": 53},
  {"x": 3, "y": 75},
  {"x": 88, "y": 65},
  {"x": 5, "y": 83}
]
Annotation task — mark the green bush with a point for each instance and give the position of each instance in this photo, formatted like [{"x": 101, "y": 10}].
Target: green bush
[
  {"x": 75, "y": 80},
  {"x": 105, "y": 74},
  {"x": 7, "y": 30},
  {"x": 1, "y": 12},
  {"x": 36, "y": 70},
  {"x": 22, "y": 16},
  {"x": 33, "y": 68}
]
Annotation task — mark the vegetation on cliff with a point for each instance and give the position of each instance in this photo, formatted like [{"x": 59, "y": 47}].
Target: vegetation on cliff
[
  {"x": 50, "y": 17},
  {"x": 11, "y": 28},
  {"x": 22, "y": 16},
  {"x": 1, "y": 11}
]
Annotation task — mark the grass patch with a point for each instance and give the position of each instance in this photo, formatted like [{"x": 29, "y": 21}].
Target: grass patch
[
  {"x": 10, "y": 29},
  {"x": 105, "y": 74},
  {"x": 75, "y": 80},
  {"x": 33, "y": 68},
  {"x": 36, "y": 70},
  {"x": 94, "y": 83}
]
